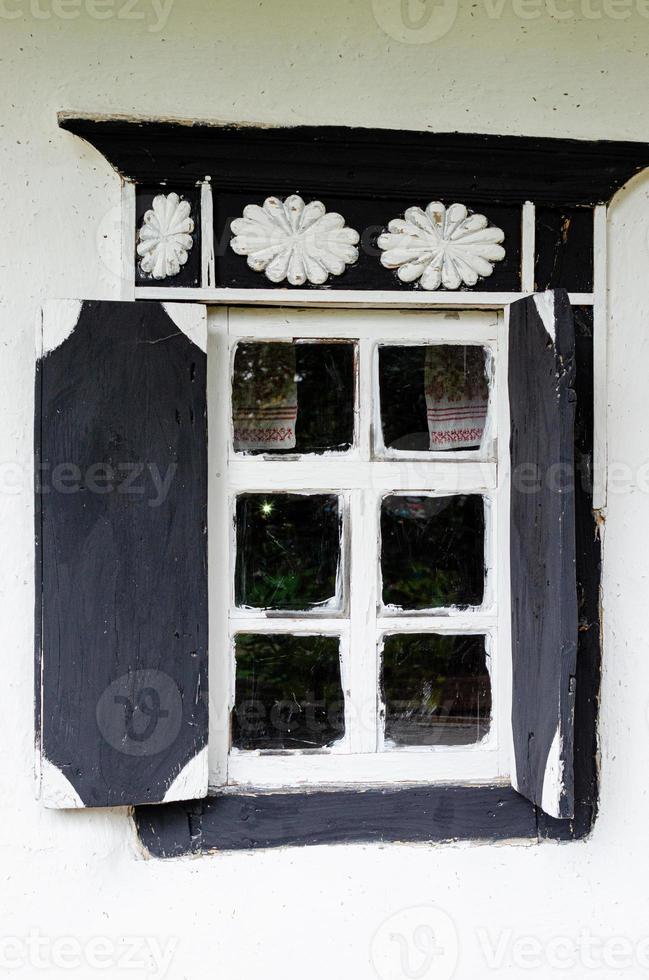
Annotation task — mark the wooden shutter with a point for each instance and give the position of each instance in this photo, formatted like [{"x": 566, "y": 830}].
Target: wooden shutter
[
  {"x": 544, "y": 594},
  {"x": 121, "y": 528}
]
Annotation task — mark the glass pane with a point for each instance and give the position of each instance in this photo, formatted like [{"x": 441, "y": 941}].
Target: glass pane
[
  {"x": 433, "y": 397},
  {"x": 432, "y": 551},
  {"x": 293, "y": 398},
  {"x": 288, "y": 692},
  {"x": 436, "y": 689},
  {"x": 288, "y": 550}
]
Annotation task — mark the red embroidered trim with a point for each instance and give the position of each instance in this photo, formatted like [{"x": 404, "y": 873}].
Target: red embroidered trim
[
  {"x": 456, "y": 435},
  {"x": 281, "y": 434}
]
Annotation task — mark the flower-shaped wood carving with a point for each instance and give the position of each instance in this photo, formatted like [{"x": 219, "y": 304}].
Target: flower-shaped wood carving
[
  {"x": 295, "y": 241},
  {"x": 441, "y": 247},
  {"x": 165, "y": 237}
]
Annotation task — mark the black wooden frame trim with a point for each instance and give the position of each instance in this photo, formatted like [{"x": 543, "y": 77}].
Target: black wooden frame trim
[
  {"x": 361, "y": 163},
  {"x": 431, "y": 814}
]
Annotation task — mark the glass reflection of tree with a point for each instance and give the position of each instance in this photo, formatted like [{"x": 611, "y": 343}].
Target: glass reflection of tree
[
  {"x": 432, "y": 551},
  {"x": 288, "y": 549},
  {"x": 288, "y": 692},
  {"x": 436, "y": 688}
]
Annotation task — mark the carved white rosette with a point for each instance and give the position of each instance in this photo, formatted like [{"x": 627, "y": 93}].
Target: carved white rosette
[
  {"x": 295, "y": 241},
  {"x": 165, "y": 237},
  {"x": 441, "y": 247}
]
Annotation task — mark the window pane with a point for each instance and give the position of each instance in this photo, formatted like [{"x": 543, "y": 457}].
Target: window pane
[
  {"x": 436, "y": 689},
  {"x": 433, "y": 397},
  {"x": 288, "y": 692},
  {"x": 432, "y": 551},
  {"x": 293, "y": 398},
  {"x": 288, "y": 550}
]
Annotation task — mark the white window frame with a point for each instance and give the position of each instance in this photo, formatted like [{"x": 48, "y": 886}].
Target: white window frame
[
  {"x": 219, "y": 299},
  {"x": 362, "y": 482}
]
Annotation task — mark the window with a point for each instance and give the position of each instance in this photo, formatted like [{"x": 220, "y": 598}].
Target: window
[
  {"x": 359, "y": 623},
  {"x": 467, "y": 681}
]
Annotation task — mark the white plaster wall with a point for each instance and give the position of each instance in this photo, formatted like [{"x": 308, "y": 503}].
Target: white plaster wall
[{"x": 580, "y": 71}]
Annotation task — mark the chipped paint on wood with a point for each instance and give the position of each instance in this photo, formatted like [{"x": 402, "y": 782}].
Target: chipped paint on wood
[
  {"x": 544, "y": 303},
  {"x": 542, "y": 544},
  {"x": 192, "y": 320},
  {"x": 60, "y": 317},
  {"x": 553, "y": 780},
  {"x": 425, "y": 814}
]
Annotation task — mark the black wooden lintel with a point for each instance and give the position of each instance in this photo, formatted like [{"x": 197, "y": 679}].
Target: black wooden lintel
[{"x": 361, "y": 163}]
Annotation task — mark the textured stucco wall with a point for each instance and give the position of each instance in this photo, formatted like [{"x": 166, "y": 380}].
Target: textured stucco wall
[{"x": 573, "y": 68}]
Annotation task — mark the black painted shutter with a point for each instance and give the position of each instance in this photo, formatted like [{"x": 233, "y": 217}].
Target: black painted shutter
[
  {"x": 121, "y": 528},
  {"x": 543, "y": 578}
]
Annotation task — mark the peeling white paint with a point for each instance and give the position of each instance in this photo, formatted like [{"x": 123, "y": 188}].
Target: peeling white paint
[
  {"x": 544, "y": 303},
  {"x": 60, "y": 318},
  {"x": 57, "y": 792},
  {"x": 191, "y": 781},
  {"x": 191, "y": 319},
  {"x": 553, "y": 779}
]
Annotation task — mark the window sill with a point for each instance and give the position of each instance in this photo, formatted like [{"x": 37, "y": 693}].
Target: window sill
[{"x": 429, "y": 814}]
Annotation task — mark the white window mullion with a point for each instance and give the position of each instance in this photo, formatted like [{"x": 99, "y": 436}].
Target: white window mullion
[
  {"x": 128, "y": 241},
  {"x": 363, "y": 559},
  {"x": 208, "y": 269},
  {"x": 219, "y": 546},
  {"x": 528, "y": 248},
  {"x": 600, "y": 357},
  {"x": 406, "y": 326},
  {"x": 342, "y": 472},
  {"x": 455, "y": 622},
  {"x": 501, "y": 671},
  {"x": 259, "y": 621},
  {"x": 363, "y": 670}
]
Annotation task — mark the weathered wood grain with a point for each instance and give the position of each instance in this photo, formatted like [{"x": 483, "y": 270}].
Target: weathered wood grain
[
  {"x": 122, "y": 569},
  {"x": 542, "y": 548},
  {"x": 425, "y": 814},
  {"x": 356, "y": 163},
  {"x": 588, "y": 567},
  {"x": 564, "y": 249}
]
